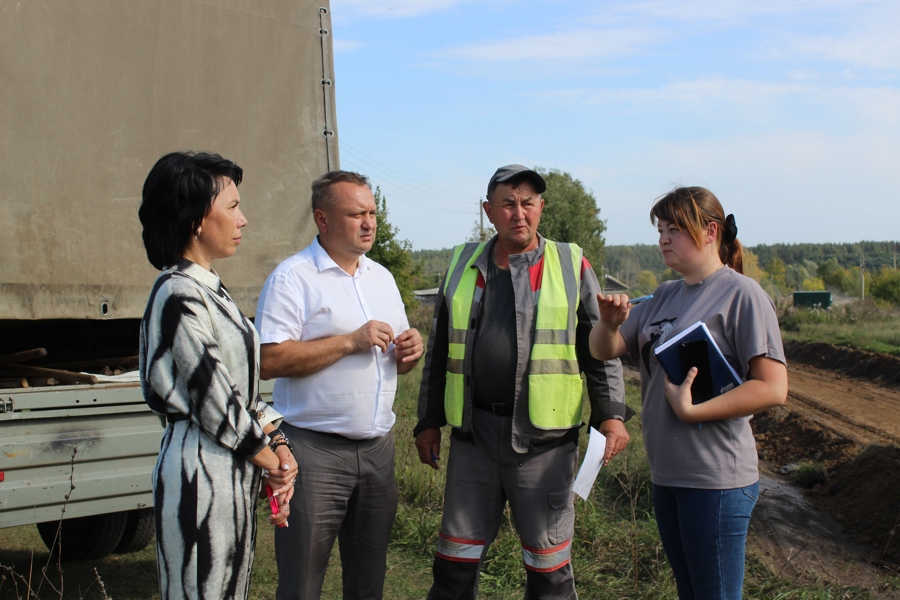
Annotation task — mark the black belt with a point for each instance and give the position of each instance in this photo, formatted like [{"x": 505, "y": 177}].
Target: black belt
[
  {"x": 175, "y": 417},
  {"x": 501, "y": 409}
]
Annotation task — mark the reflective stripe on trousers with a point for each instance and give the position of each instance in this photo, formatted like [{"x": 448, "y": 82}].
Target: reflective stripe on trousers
[
  {"x": 458, "y": 549},
  {"x": 544, "y": 560}
]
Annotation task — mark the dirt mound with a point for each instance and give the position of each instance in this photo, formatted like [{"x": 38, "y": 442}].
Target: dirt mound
[
  {"x": 862, "y": 491},
  {"x": 784, "y": 437},
  {"x": 864, "y": 495},
  {"x": 878, "y": 367}
]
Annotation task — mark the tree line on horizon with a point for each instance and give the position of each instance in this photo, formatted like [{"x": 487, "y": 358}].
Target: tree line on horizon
[{"x": 571, "y": 214}]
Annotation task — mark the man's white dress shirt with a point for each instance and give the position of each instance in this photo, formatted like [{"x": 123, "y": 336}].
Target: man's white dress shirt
[{"x": 309, "y": 297}]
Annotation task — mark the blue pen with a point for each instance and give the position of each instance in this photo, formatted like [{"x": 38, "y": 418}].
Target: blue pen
[
  {"x": 640, "y": 299},
  {"x": 433, "y": 457}
]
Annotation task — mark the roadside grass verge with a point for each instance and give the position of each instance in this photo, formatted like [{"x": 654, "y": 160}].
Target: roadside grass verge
[{"x": 869, "y": 325}]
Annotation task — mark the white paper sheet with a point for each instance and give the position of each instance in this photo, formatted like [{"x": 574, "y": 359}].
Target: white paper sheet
[{"x": 590, "y": 466}]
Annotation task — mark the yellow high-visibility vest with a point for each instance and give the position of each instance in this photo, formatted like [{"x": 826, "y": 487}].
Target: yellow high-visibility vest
[{"x": 554, "y": 378}]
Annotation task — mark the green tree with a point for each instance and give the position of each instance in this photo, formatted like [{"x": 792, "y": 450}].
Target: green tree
[
  {"x": 828, "y": 268},
  {"x": 795, "y": 275},
  {"x": 394, "y": 254},
  {"x": 886, "y": 285},
  {"x": 837, "y": 277},
  {"x": 855, "y": 281},
  {"x": 571, "y": 215},
  {"x": 669, "y": 274},
  {"x": 645, "y": 284},
  {"x": 814, "y": 284},
  {"x": 777, "y": 271},
  {"x": 754, "y": 271}
]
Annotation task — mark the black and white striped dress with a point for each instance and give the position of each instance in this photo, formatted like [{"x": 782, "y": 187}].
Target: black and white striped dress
[{"x": 199, "y": 362}]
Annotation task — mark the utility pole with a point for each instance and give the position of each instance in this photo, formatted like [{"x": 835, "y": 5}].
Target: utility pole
[
  {"x": 862, "y": 276},
  {"x": 480, "y": 221}
]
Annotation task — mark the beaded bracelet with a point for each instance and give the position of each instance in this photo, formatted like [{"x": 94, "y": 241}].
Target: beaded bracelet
[{"x": 281, "y": 441}]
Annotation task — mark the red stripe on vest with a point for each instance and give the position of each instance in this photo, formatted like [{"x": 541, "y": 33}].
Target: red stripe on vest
[{"x": 536, "y": 274}]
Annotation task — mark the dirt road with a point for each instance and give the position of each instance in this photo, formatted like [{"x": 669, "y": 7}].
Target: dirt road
[
  {"x": 843, "y": 530},
  {"x": 855, "y": 408}
]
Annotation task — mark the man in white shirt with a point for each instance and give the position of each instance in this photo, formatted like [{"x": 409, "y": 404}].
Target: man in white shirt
[{"x": 334, "y": 332}]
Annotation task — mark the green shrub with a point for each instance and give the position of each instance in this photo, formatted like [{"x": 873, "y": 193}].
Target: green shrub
[
  {"x": 886, "y": 285},
  {"x": 809, "y": 474}
]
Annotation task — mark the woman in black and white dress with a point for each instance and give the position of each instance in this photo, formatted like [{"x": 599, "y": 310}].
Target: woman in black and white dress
[{"x": 199, "y": 364}]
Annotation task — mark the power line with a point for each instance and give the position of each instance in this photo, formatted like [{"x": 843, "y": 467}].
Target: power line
[
  {"x": 400, "y": 178},
  {"x": 394, "y": 191}
]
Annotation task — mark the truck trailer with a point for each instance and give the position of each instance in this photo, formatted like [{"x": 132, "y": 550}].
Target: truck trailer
[{"x": 91, "y": 95}]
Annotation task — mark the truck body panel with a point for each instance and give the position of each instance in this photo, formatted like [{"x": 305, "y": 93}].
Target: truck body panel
[
  {"x": 95, "y": 445},
  {"x": 92, "y": 94},
  {"x": 87, "y": 448}
]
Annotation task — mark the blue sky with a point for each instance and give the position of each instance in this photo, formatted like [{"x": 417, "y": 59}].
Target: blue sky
[{"x": 788, "y": 110}]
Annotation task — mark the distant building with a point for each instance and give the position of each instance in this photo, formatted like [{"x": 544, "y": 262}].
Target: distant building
[
  {"x": 611, "y": 285},
  {"x": 426, "y": 296}
]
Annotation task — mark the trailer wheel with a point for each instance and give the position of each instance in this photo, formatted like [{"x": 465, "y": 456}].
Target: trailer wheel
[
  {"x": 139, "y": 529},
  {"x": 84, "y": 538}
]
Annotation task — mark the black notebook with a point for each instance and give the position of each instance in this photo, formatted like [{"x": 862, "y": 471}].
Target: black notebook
[{"x": 695, "y": 347}]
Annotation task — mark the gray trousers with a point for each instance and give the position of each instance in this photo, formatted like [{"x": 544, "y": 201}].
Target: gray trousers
[
  {"x": 346, "y": 490},
  {"x": 481, "y": 478}
]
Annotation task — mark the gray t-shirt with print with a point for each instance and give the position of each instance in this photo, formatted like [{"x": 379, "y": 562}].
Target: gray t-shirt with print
[{"x": 741, "y": 318}]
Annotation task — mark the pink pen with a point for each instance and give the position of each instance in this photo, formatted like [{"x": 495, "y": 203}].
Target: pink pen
[{"x": 273, "y": 503}]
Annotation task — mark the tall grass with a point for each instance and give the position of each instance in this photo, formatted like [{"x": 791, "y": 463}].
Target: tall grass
[{"x": 869, "y": 325}]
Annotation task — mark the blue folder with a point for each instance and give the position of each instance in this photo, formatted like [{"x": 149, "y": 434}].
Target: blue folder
[{"x": 695, "y": 347}]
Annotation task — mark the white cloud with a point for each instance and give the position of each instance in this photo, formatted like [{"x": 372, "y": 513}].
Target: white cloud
[
  {"x": 563, "y": 45},
  {"x": 752, "y": 100},
  {"x": 867, "y": 49},
  {"x": 726, "y": 11}
]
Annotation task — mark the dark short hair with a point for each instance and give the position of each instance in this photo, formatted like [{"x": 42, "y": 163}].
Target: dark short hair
[
  {"x": 178, "y": 193},
  {"x": 321, "y": 187}
]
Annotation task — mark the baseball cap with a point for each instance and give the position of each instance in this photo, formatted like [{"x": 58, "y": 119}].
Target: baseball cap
[{"x": 506, "y": 173}]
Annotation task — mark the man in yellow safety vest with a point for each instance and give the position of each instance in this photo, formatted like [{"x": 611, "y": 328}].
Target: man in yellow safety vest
[{"x": 508, "y": 347}]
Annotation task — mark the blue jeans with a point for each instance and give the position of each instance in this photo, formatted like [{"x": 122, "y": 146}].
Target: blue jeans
[{"x": 703, "y": 533}]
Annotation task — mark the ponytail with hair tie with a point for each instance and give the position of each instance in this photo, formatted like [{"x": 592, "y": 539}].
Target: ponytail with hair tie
[{"x": 729, "y": 234}]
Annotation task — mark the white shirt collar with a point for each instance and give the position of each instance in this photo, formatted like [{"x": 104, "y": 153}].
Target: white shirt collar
[
  {"x": 325, "y": 262},
  {"x": 207, "y": 277}
]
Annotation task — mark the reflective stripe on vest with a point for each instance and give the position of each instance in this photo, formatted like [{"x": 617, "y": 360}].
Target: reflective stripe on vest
[
  {"x": 460, "y": 288},
  {"x": 554, "y": 378},
  {"x": 555, "y": 388},
  {"x": 544, "y": 560},
  {"x": 459, "y": 550}
]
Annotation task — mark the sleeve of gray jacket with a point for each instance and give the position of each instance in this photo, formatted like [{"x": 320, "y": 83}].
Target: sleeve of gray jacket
[
  {"x": 605, "y": 382},
  {"x": 434, "y": 372}
]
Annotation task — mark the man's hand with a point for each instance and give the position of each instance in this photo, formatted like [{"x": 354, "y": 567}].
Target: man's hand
[
  {"x": 428, "y": 443},
  {"x": 616, "y": 438},
  {"x": 408, "y": 348},
  {"x": 373, "y": 333}
]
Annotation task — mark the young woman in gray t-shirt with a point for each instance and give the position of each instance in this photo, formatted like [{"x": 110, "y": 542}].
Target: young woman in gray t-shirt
[{"x": 703, "y": 459}]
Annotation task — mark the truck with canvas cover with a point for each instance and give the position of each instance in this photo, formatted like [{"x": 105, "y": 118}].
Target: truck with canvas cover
[{"x": 91, "y": 95}]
